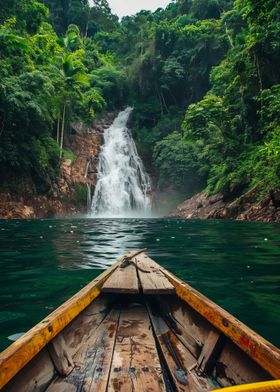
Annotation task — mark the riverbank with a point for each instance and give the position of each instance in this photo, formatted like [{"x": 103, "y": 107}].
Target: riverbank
[
  {"x": 68, "y": 195},
  {"x": 248, "y": 207}
]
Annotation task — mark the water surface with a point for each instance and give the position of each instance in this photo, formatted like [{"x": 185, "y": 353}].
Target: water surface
[{"x": 43, "y": 262}]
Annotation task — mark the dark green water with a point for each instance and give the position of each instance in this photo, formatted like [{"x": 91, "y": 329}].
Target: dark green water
[{"x": 43, "y": 262}]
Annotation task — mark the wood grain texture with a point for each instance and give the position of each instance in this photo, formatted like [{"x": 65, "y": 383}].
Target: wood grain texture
[
  {"x": 16, "y": 356},
  {"x": 181, "y": 326},
  {"x": 193, "y": 327},
  {"x": 180, "y": 361},
  {"x": 135, "y": 366},
  {"x": 79, "y": 331},
  {"x": 92, "y": 369},
  {"x": 233, "y": 367},
  {"x": 59, "y": 353},
  {"x": 259, "y": 349},
  {"x": 151, "y": 277},
  {"x": 35, "y": 376},
  {"x": 122, "y": 280},
  {"x": 198, "y": 383},
  {"x": 207, "y": 351},
  {"x": 170, "y": 351}
]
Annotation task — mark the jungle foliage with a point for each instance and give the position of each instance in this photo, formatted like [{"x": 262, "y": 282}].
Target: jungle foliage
[
  {"x": 203, "y": 77},
  {"x": 215, "y": 65},
  {"x": 49, "y": 80}
]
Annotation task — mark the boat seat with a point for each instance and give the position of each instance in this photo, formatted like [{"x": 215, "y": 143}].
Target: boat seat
[{"x": 139, "y": 274}]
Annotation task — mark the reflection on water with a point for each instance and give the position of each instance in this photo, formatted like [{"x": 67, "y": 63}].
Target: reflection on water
[
  {"x": 43, "y": 262},
  {"x": 96, "y": 243}
]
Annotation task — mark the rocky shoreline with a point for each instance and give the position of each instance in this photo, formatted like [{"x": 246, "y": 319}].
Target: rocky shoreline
[
  {"x": 84, "y": 143},
  {"x": 248, "y": 207}
]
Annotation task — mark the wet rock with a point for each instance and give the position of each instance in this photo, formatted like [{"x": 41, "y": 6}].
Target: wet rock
[
  {"x": 16, "y": 210},
  {"x": 250, "y": 206},
  {"x": 199, "y": 206}
]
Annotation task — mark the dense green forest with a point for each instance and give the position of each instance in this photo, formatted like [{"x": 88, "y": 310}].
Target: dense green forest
[{"x": 203, "y": 77}]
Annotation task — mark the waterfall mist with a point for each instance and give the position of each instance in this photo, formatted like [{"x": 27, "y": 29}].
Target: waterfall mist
[{"x": 123, "y": 186}]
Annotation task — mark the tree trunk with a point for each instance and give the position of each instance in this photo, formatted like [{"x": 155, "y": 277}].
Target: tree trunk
[
  {"x": 62, "y": 131},
  {"x": 142, "y": 43},
  {"x": 57, "y": 130},
  {"x": 87, "y": 24},
  {"x": 260, "y": 81},
  {"x": 159, "y": 98},
  {"x": 230, "y": 40},
  {"x": 164, "y": 102}
]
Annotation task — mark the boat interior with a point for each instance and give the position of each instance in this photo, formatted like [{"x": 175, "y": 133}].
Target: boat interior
[{"x": 138, "y": 337}]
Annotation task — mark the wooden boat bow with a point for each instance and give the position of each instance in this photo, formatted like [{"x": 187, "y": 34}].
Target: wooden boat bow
[{"x": 137, "y": 327}]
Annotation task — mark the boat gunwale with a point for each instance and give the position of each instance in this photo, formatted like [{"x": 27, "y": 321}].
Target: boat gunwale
[
  {"x": 16, "y": 356},
  {"x": 22, "y": 351},
  {"x": 254, "y": 345}
]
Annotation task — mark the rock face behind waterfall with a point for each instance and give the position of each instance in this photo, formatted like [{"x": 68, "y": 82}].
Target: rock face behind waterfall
[{"x": 65, "y": 198}]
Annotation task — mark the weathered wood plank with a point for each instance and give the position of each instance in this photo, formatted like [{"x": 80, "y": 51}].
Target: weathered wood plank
[
  {"x": 122, "y": 280},
  {"x": 181, "y": 363},
  {"x": 181, "y": 328},
  {"x": 135, "y": 366},
  {"x": 259, "y": 349},
  {"x": 208, "y": 351},
  {"x": 191, "y": 324},
  {"x": 16, "y": 356},
  {"x": 198, "y": 383},
  {"x": 35, "y": 376},
  {"x": 152, "y": 279},
  {"x": 93, "y": 366},
  {"x": 171, "y": 353},
  {"x": 60, "y": 355},
  {"x": 23, "y": 350},
  {"x": 98, "y": 379},
  {"x": 234, "y": 367},
  {"x": 80, "y": 329}
]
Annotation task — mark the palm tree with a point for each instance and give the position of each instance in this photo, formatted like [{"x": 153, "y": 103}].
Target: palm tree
[
  {"x": 74, "y": 78},
  {"x": 71, "y": 77}
]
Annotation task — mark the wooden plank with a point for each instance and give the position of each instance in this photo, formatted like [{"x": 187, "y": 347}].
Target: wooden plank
[
  {"x": 198, "y": 383},
  {"x": 41, "y": 369},
  {"x": 181, "y": 328},
  {"x": 60, "y": 356},
  {"x": 96, "y": 378},
  {"x": 123, "y": 280},
  {"x": 34, "y": 377},
  {"x": 152, "y": 279},
  {"x": 189, "y": 322},
  {"x": 92, "y": 371},
  {"x": 207, "y": 352},
  {"x": 16, "y": 356},
  {"x": 234, "y": 367},
  {"x": 79, "y": 331},
  {"x": 171, "y": 352},
  {"x": 255, "y": 346},
  {"x": 135, "y": 366},
  {"x": 181, "y": 363}
]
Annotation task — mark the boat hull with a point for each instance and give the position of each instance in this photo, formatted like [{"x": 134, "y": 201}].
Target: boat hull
[{"x": 137, "y": 327}]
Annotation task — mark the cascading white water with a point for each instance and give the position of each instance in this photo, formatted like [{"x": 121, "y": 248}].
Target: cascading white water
[{"x": 123, "y": 185}]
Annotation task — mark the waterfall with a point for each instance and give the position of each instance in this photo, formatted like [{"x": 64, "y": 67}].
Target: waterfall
[
  {"x": 88, "y": 197},
  {"x": 123, "y": 185}
]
